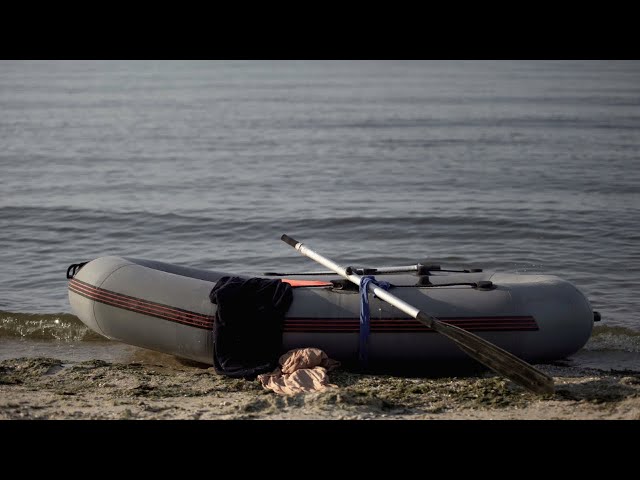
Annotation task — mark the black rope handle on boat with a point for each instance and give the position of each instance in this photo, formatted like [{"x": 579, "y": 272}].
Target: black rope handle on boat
[
  {"x": 480, "y": 285},
  {"x": 74, "y": 268},
  {"x": 423, "y": 282}
]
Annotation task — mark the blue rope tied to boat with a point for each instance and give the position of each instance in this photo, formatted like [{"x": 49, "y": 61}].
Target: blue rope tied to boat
[{"x": 365, "y": 328}]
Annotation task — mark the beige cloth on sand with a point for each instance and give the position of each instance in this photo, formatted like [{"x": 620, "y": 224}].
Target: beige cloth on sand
[{"x": 301, "y": 370}]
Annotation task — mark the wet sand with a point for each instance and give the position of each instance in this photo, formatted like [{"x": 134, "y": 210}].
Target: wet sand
[{"x": 47, "y": 388}]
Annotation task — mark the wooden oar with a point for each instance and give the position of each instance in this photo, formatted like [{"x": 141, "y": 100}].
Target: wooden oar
[{"x": 490, "y": 355}]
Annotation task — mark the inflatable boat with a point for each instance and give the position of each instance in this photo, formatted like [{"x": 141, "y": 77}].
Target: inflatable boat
[{"x": 167, "y": 308}]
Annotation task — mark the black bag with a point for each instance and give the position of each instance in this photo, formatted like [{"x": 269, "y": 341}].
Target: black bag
[{"x": 247, "y": 330}]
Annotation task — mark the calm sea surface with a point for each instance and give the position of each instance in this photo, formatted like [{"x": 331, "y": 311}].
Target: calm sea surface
[{"x": 521, "y": 166}]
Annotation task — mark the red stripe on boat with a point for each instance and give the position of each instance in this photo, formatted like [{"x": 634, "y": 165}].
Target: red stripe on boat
[
  {"x": 139, "y": 305},
  {"x": 299, "y": 325}
]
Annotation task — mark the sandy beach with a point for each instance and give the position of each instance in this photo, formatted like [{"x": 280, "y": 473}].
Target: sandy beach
[{"x": 168, "y": 388}]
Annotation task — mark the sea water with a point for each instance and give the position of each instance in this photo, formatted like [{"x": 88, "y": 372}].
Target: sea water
[{"x": 517, "y": 166}]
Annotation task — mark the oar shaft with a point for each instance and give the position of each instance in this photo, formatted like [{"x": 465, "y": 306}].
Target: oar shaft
[
  {"x": 339, "y": 269},
  {"x": 379, "y": 292}
]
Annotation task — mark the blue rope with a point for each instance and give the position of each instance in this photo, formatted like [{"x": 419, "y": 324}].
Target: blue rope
[{"x": 363, "y": 353}]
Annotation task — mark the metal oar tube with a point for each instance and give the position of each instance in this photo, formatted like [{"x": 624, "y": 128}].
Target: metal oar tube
[{"x": 348, "y": 273}]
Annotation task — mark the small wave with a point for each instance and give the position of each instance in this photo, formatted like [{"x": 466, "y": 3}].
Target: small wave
[
  {"x": 54, "y": 326},
  {"x": 614, "y": 338}
]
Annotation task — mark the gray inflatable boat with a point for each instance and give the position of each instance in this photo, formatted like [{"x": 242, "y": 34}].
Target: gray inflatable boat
[{"x": 166, "y": 308}]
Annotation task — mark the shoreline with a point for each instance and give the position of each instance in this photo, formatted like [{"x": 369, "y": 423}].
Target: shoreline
[{"x": 167, "y": 388}]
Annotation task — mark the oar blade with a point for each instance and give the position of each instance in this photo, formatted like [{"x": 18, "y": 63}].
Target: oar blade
[{"x": 497, "y": 359}]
